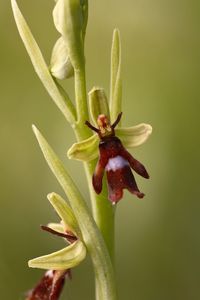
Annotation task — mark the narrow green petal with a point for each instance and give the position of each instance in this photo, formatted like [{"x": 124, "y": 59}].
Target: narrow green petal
[
  {"x": 85, "y": 150},
  {"x": 65, "y": 105},
  {"x": 67, "y": 258},
  {"x": 115, "y": 80},
  {"x": 65, "y": 212},
  {"x": 135, "y": 135},
  {"x": 98, "y": 103}
]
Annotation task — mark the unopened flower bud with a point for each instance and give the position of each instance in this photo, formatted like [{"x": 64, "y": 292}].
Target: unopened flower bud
[
  {"x": 60, "y": 65},
  {"x": 70, "y": 19}
]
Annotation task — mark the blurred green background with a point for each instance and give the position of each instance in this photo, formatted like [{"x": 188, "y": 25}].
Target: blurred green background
[{"x": 157, "y": 239}]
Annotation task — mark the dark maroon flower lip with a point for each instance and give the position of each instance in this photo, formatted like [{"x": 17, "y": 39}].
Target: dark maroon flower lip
[
  {"x": 116, "y": 161},
  {"x": 50, "y": 286}
]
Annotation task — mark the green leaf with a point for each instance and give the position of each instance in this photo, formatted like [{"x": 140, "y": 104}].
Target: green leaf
[
  {"x": 98, "y": 104},
  {"x": 85, "y": 150},
  {"x": 65, "y": 212},
  {"x": 60, "y": 65},
  {"x": 115, "y": 80},
  {"x": 67, "y": 258},
  {"x": 65, "y": 105},
  {"x": 135, "y": 135}
]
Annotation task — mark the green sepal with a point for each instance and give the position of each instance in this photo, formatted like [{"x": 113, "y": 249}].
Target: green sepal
[
  {"x": 65, "y": 212},
  {"x": 85, "y": 150},
  {"x": 115, "y": 77},
  {"x": 64, "y": 104},
  {"x": 60, "y": 64},
  {"x": 67, "y": 258},
  {"x": 98, "y": 103},
  {"x": 134, "y": 136}
]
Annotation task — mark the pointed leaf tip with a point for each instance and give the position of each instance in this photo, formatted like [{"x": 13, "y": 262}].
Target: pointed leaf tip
[
  {"x": 34, "y": 128},
  {"x": 36, "y": 131}
]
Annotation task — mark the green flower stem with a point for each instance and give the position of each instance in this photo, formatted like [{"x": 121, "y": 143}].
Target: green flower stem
[
  {"x": 103, "y": 212},
  {"x": 81, "y": 103}
]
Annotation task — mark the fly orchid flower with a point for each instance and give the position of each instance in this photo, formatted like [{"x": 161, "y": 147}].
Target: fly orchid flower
[
  {"x": 59, "y": 263},
  {"x": 113, "y": 156},
  {"x": 116, "y": 161}
]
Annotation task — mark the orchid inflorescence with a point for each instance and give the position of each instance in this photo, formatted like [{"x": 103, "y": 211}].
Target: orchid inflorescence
[{"x": 83, "y": 231}]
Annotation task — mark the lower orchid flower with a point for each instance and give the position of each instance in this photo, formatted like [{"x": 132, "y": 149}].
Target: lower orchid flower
[{"x": 59, "y": 263}]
